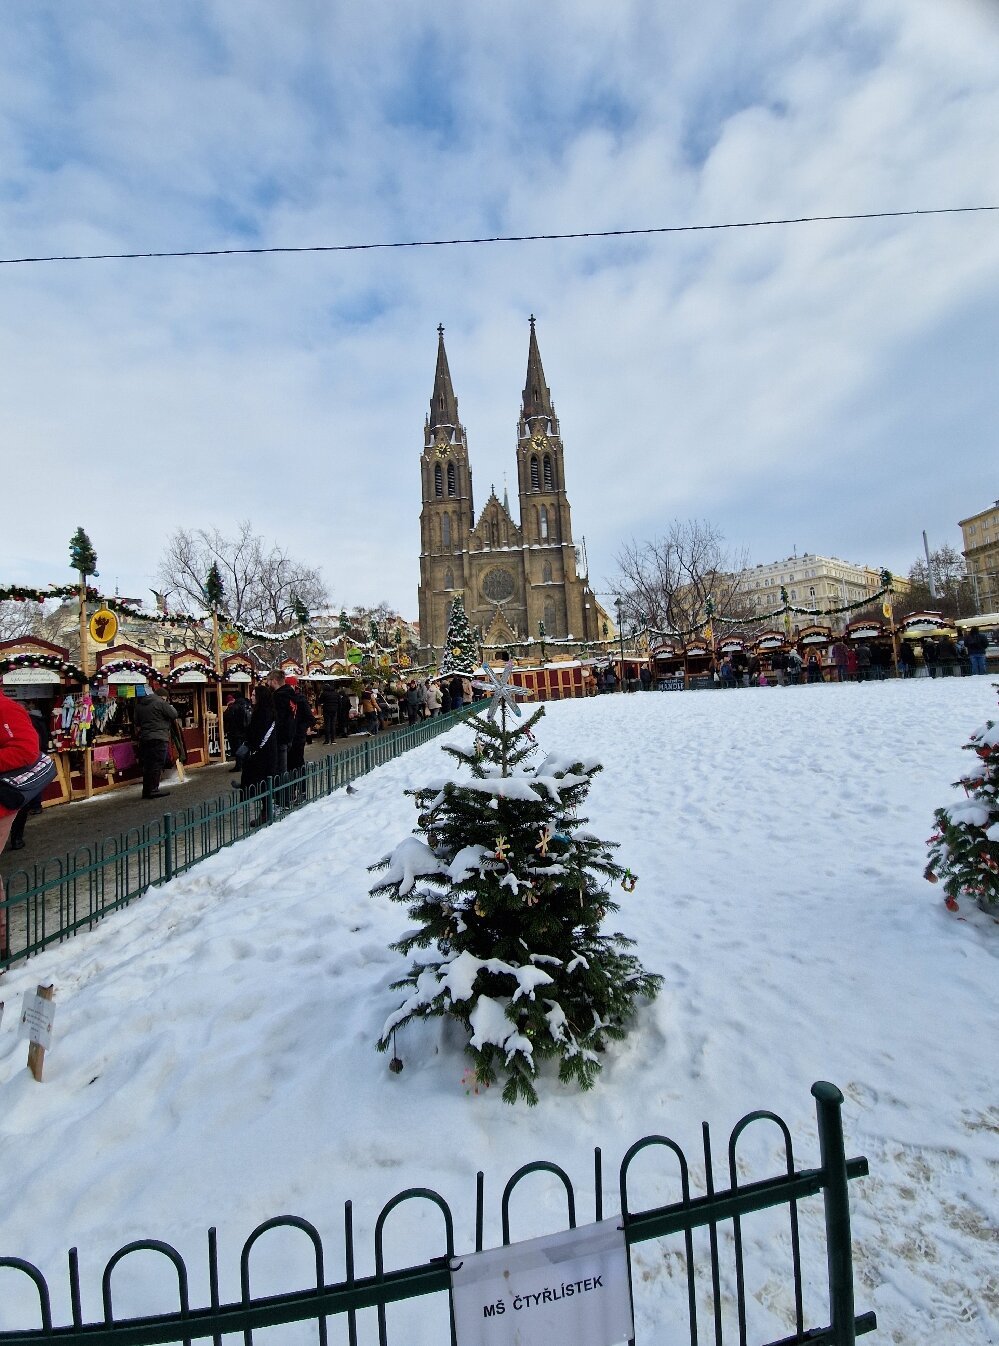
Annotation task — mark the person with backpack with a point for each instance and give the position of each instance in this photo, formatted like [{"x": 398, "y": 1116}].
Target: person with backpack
[{"x": 235, "y": 722}]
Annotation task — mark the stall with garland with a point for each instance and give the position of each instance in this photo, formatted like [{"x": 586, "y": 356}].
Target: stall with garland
[
  {"x": 668, "y": 672},
  {"x": 35, "y": 671},
  {"x": 189, "y": 684},
  {"x": 766, "y": 646},
  {"x": 698, "y": 661}
]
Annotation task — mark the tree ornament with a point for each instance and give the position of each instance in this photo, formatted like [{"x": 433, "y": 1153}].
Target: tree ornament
[
  {"x": 950, "y": 903},
  {"x": 531, "y": 898},
  {"x": 545, "y": 838},
  {"x": 502, "y": 848},
  {"x": 479, "y": 909},
  {"x": 628, "y": 881}
]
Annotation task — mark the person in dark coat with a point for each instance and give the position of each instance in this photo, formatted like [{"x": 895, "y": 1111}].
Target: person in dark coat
[
  {"x": 284, "y": 718},
  {"x": 457, "y": 690},
  {"x": 153, "y": 717},
  {"x": 304, "y": 721},
  {"x": 261, "y": 758},
  {"x": 329, "y": 704},
  {"x": 235, "y": 718},
  {"x": 977, "y": 643}
]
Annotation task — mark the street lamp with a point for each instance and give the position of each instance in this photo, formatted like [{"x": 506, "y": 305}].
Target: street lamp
[{"x": 620, "y": 631}]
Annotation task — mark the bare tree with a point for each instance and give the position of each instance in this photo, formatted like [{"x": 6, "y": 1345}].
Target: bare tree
[
  {"x": 261, "y": 581},
  {"x": 954, "y": 596},
  {"x": 669, "y": 580},
  {"x": 18, "y": 620}
]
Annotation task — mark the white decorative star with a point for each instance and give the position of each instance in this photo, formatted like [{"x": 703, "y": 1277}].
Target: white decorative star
[{"x": 502, "y": 691}]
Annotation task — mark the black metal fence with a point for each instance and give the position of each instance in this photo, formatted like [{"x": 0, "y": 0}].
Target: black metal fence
[
  {"x": 59, "y": 898},
  {"x": 359, "y": 1302}
]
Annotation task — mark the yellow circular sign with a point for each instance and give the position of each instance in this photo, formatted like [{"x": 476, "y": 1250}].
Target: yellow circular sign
[
  {"x": 404, "y": 661},
  {"x": 230, "y": 641},
  {"x": 103, "y": 626},
  {"x": 315, "y": 649}
]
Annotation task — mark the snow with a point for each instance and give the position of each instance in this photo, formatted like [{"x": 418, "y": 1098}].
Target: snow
[
  {"x": 213, "y": 1059},
  {"x": 409, "y": 861}
]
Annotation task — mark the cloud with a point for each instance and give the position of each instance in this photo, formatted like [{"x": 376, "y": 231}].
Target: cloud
[{"x": 793, "y": 384}]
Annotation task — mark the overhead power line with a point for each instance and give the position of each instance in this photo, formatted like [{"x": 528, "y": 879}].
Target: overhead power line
[{"x": 496, "y": 238}]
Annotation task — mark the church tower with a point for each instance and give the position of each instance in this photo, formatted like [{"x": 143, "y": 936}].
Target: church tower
[
  {"x": 553, "y": 591},
  {"x": 448, "y": 510},
  {"x": 513, "y": 577}
]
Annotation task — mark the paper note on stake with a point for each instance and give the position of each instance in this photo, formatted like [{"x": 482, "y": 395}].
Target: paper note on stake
[{"x": 37, "y": 1016}]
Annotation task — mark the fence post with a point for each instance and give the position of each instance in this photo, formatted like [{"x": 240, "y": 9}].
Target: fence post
[
  {"x": 839, "y": 1250},
  {"x": 167, "y": 846},
  {"x": 367, "y": 755}
]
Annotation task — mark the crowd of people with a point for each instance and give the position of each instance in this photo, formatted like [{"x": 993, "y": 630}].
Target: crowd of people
[{"x": 267, "y": 736}]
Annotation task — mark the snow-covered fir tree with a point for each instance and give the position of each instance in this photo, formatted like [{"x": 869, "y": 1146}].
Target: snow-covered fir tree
[
  {"x": 461, "y": 649},
  {"x": 509, "y": 889},
  {"x": 964, "y": 850}
]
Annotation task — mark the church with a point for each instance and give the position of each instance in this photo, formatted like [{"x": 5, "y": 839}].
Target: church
[{"x": 514, "y": 578}]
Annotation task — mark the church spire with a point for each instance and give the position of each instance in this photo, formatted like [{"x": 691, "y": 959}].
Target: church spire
[
  {"x": 443, "y": 404},
  {"x": 537, "y": 398}
]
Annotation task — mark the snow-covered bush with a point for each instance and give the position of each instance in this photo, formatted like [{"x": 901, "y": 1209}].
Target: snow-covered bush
[{"x": 964, "y": 850}]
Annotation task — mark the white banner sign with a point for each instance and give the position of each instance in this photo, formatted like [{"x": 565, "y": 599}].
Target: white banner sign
[
  {"x": 570, "y": 1287},
  {"x": 37, "y": 1016}
]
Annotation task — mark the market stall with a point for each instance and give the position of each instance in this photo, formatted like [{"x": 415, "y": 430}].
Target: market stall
[
  {"x": 816, "y": 640},
  {"x": 34, "y": 671},
  {"x": 766, "y": 645},
  {"x": 666, "y": 660},
  {"x": 698, "y": 661},
  {"x": 556, "y": 681},
  {"x": 190, "y": 685}
]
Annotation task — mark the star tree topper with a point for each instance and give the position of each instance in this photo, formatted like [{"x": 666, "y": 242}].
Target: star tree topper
[{"x": 503, "y": 692}]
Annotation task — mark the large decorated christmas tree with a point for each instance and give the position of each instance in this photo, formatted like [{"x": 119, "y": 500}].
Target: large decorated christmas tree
[
  {"x": 509, "y": 890},
  {"x": 964, "y": 849},
  {"x": 461, "y": 649}
]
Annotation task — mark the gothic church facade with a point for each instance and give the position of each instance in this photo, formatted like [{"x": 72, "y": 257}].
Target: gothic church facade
[{"x": 512, "y": 576}]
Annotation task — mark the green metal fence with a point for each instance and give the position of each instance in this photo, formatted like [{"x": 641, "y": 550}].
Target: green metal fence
[
  {"x": 59, "y": 898},
  {"x": 360, "y": 1301}
]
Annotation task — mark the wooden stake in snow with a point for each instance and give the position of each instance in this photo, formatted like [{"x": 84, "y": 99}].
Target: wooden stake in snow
[{"x": 37, "y": 1015}]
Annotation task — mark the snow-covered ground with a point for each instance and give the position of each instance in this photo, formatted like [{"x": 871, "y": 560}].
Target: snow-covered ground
[{"x": 213, "y": 1060}]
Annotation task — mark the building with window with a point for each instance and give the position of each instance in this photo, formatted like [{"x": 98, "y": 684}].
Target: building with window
[
  {"x": 513, "y": 576},
  {"x": 812, "y": 581},
  {"x": 981, "y": 551}
]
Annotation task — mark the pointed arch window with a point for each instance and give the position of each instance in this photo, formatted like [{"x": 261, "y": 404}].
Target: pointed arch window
[
  {"x": 543, "y": 524},
  {"x": 452, "y": 480},
  {"x": 550, "y": 621},
  {"x": 448, "y": 579},
  {"x": 446, "y": 531},
  {"x": 546, "y": 573},
  {"x": 549, "y": 486},
  {"x": 535, "y": 475},
  {"x": 438, "y": 480}
]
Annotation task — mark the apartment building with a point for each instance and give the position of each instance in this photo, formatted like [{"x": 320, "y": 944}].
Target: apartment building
[
  {"x": 981, "y": 551},
  {"x": 811, "y": 581}
]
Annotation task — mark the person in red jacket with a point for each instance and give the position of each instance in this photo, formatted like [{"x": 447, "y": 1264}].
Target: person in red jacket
[{"x": 18, "y": 748}]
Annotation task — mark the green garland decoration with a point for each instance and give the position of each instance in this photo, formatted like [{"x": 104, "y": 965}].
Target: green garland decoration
[
  {"x": 22, "y": 593},
  {"x": 51, "y": 661}
]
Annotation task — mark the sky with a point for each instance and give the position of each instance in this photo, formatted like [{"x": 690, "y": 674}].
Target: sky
[{"x": 820, "y": 387}]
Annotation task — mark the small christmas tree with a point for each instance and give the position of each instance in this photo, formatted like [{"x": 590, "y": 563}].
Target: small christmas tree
[
  {"x": 213, "y": 588},
  {"x": 461, "y": 652},
  {"x": 82, "y": 556},
  {"x": 508, "y": 892},
  {"x": 964, "y": 850}
]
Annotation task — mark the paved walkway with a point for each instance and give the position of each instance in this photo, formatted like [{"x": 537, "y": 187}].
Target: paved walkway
[{"x": 58, "y": 831}]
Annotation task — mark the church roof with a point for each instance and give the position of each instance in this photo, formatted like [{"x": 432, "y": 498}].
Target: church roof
[
  {"x": 537, "y": 396},
  {"x": 443, "y": 403}
]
